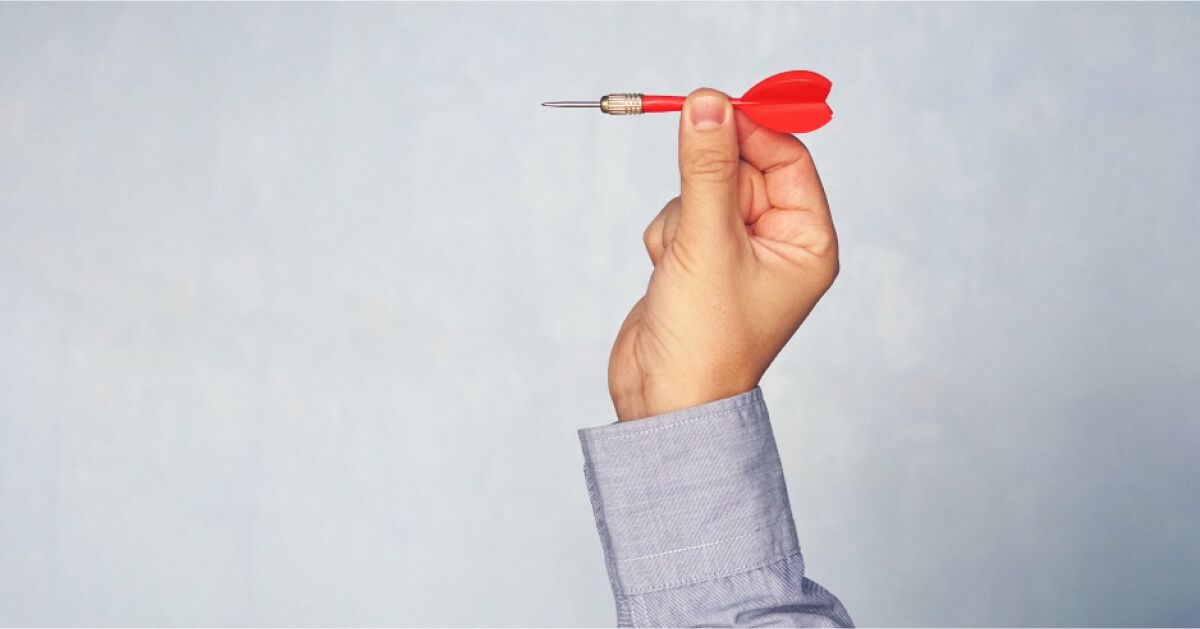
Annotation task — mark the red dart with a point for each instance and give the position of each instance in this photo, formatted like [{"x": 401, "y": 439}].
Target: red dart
[{"x": 788, "y": 102}]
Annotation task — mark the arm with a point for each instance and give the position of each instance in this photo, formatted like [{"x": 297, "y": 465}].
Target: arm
[
  {"x": 694, "y": 519},
  {"x": 687, "y": 487}
]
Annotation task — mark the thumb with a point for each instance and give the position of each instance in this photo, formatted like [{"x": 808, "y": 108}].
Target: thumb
[{"x": 708, "y": 165}]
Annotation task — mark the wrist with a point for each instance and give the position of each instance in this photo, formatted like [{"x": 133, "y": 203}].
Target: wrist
[{"x": 647, "y": 400}]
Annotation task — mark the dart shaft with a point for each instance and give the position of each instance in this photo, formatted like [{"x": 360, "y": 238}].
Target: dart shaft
[{"x": 625, "y": 104}]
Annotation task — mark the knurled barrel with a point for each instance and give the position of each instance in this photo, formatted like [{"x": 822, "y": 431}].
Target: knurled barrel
[{"x": 621, "y": 104}]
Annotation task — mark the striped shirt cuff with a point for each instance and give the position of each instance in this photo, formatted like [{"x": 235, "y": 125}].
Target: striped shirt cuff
[{"x": 688, "y": 496}]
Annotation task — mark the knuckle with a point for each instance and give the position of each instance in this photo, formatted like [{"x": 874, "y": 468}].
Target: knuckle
[
  {"x": 802, "y": 152},
  {"x": 683, "y": 254},
  {"x": 803, "y": 158},
  {"x": 711, "y": 164},
  {"x": 821, "y": 241},
  {"x": 649, "y": 235}
]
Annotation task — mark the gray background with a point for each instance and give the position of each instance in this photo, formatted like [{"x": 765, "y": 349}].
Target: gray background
[{"x": 301, "y": 305}]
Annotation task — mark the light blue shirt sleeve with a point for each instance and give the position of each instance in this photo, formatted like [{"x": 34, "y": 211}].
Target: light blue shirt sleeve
[{"x": 695, "y": 524}]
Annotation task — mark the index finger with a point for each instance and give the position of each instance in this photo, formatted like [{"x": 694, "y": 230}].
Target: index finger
[{"x": 791, "y": 176}]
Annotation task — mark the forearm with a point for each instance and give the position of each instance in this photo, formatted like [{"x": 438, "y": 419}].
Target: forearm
[{"x": 695, "y": 523}]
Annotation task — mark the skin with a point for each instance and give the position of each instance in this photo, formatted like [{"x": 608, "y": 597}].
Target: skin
[{"x": 740, "y": 258}]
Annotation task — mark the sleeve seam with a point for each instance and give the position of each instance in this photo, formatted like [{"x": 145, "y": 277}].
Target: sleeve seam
[{"x": 749, "y": 402}]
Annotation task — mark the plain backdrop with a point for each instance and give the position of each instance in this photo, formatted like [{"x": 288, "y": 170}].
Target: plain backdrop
[{"x": 301, "y": 306}]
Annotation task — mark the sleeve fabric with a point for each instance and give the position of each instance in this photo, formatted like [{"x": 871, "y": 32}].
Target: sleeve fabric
[{"x": 695, "y": 523}]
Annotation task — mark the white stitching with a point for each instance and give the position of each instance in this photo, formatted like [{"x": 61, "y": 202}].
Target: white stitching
[{"x": 720, "y": 541}]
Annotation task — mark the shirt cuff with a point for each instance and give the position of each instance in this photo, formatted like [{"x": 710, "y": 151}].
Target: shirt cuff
[{"x": 688, "y": 496}]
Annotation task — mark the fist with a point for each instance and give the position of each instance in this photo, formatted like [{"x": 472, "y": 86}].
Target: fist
[{"x": 740, "y": 257}]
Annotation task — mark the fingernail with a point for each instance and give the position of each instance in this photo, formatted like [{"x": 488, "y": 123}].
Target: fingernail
[{"x": 707, "y": 112}]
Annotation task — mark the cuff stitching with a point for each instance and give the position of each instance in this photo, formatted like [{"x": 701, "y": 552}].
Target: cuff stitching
[
  {"x": 707, "y": 544},
  {"x": 729, "y": 572}
]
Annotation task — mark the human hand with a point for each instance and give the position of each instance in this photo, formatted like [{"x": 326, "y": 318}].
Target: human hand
[{"x": 740, "y": 259}]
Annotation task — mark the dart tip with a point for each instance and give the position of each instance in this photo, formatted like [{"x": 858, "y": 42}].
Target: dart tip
[{"x": 571, "y": 103}]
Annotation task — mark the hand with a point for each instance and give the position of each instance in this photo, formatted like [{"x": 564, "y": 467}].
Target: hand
[{"x": 740, "y": 258}]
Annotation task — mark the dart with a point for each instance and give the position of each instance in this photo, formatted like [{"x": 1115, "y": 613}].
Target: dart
[{"x": 788, "y": 102}]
